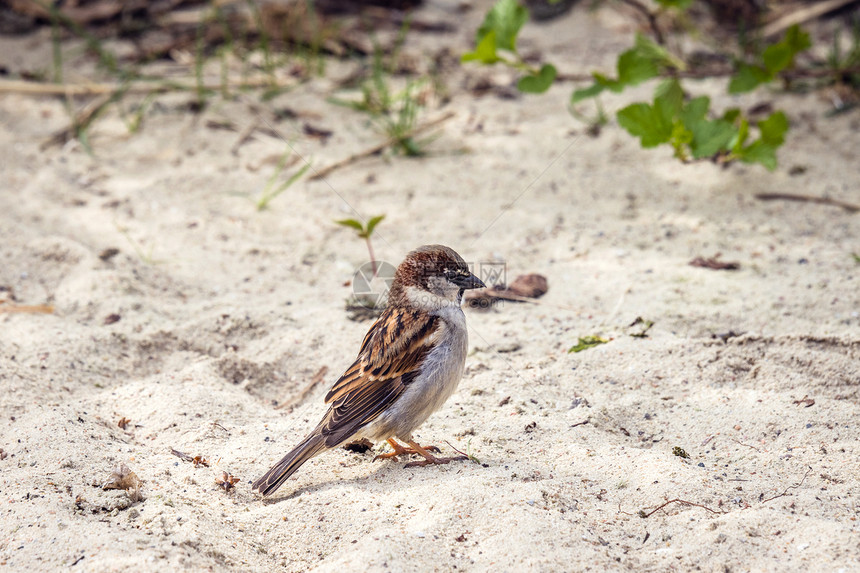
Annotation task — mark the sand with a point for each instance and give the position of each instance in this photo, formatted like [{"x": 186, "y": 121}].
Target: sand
[{"x": 211, "y": 313}]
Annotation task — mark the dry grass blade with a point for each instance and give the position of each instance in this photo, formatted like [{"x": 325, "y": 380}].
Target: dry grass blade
[
  {"x": 28, "y": 308},
  {"x": 803, "y": 14},
  {"x": 80, "y": 121},
  {"x": 41, "y": 88},
  {"x": 299, "y": 398}
]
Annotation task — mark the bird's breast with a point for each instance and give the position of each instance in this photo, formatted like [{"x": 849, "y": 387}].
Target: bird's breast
[{"x": 439, "y": 376}]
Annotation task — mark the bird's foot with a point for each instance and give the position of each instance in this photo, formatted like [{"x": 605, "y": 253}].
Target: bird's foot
[
  {"x": 430, "y": 458},
  {"x": 401, "y": 451}
]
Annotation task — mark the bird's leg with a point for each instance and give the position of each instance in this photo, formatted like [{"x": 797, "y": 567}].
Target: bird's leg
[
  {"x": 430, "y": 458},
  {"x": 401, "y": 451}
]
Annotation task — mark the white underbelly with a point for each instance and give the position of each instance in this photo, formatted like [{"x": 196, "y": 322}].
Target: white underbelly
[{"x": 441, "y": 374}]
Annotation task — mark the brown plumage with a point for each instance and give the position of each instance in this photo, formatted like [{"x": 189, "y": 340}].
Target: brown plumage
[{"x": 409, "y": 363}]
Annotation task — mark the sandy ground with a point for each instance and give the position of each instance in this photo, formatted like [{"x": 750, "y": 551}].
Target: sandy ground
[{"x": 224, "y": 312}]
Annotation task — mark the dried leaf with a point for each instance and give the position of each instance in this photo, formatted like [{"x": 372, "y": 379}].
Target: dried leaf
[{"x": 123, "y": 478}]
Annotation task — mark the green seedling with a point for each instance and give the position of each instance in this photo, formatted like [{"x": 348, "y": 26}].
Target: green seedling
[
  {"x": 134, "y": 119},
  {"x": 679, "y": 451},
  {"x": 496, "y": 42},
  {"x": 775, "y": 59},
  {"x": 586, "y": 342},
  {"x": 394, "y": 112},
  {"x": 686, "y": 124},
  {"x": 644, "y": 61},
  {"x": 467, "y": 453},
  {"x": 364, "y": 232},
  {"x": 645, "y": 326},
  {"x": 146, "y": 257},
  {"x": 274, "y": 187}
]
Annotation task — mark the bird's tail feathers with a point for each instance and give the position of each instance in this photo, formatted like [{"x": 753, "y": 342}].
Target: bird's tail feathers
[{"x": 275, "y": 477}]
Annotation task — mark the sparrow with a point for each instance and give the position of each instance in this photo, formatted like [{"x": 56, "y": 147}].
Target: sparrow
[{"x": 409, "y": 364}]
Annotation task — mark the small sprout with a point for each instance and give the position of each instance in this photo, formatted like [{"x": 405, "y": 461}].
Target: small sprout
[
  {"x": 226, "y": 481},
  {"x": 273, "y": 188},
  {"x": 587, "y": 342},
  {"x": 498, "y": 33},
  {"x": 364, "y": 232},
  {"x": 467, "y": 454},
  {"x": 679, "y": 451},
  {"x": 646, "y": 326}
]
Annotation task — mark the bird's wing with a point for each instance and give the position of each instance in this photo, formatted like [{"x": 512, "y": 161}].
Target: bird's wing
[{"x": 389, "y": 359}]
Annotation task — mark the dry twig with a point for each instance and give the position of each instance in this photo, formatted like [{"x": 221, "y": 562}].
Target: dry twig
[
  {"x": 794, "y": 486},
  {"x": 851, "y": 208},
  {"x": 645, "y": 515},
  {"x": 377, "y": 149}
]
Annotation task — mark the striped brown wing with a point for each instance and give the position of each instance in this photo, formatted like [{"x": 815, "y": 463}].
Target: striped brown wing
[{"x": 388, "y": 361}]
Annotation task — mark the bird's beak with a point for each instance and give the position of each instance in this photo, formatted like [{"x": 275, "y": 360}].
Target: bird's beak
[{"x": 469, "y": 281}]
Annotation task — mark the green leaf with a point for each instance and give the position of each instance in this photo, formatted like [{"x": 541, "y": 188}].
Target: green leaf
[
  {"x": 646, "y": 122},
  {"x": 759, "y": 152},
  {"x": 648, "y": 48},
  {"x": 633, "y": 69},
  {"x": 773, "y": 128},
  {"x": 776, "y": 58},
  {"x": 374, "y": 221},
  {"x": 740, "y": 137},
  {"x": 351, "y": 223},
  {"x": 797, "y": 39},
  {"x": 708, "y": 137},
  {"x": 585, "y": 93},
  {"x": 680, "y": 140},
  {"x": 732, "y": 114},
  {"x": 539, "y": 83},
  {"x": 505, "y": 18},
  {"x": 711, "y": 137},
  {"x": 587, "y": 342},
  {"x": 748, "y": 78},
  {"x": 485, "y": 51},
  {"x": 679, "y": 4},
  {"x": 671, "y": 96}
]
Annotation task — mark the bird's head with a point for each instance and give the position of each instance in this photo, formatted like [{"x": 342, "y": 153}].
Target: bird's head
[{"x": 432, "y": 277}]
